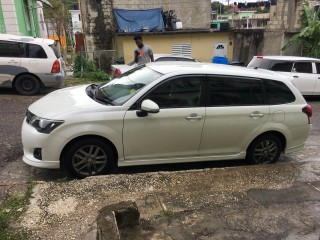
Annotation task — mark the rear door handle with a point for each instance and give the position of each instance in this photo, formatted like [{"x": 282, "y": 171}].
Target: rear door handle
[{"x": 296, "y": 76}]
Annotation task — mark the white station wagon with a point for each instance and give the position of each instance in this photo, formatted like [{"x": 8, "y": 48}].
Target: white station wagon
[
  {"x": 167, "y": 112},
  {"x": 305, "y": 71}
]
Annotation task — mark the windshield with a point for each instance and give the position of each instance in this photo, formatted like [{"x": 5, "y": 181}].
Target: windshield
[{"x": 121, "y": 89}]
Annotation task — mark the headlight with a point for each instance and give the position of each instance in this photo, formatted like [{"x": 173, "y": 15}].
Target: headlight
[{"x": 42, "y": 125}]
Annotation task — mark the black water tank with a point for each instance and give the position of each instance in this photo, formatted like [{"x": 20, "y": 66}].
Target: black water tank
[{"x": 224, "y": 26}]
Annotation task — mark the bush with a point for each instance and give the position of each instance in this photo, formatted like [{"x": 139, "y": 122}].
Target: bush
[
  {"x": 95, "y": 76},
  {"x": 90, "y": 70}
]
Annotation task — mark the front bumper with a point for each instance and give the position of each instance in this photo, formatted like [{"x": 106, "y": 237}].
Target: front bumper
[{"x": 50, "y": 145}]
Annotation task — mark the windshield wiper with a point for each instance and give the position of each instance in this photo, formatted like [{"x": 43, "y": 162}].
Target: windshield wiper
[{"x": 101, "y": 97}]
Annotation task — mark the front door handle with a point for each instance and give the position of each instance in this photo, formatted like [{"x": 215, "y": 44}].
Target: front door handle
[
  {"x": 296, "y": 76},
  {"x": 194, "y": 117}
]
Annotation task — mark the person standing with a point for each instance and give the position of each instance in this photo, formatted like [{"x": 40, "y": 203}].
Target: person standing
[{"x": 143, "y": 53}]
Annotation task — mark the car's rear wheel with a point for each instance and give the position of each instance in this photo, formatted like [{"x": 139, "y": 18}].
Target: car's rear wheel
[
  {"x": 89, "y": 157},
  {"x": 264, "y": 149},
  {"x": 27, "y": 85}
]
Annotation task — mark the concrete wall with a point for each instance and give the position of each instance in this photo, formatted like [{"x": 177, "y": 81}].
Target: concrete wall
[
  {"x": 193, "y": 14},
  {"x": 284, "y": 22},
  {"x": 10, "y": 17},
  {"x": 99, "y": 23},
  {"x": 202, "y": 44}
]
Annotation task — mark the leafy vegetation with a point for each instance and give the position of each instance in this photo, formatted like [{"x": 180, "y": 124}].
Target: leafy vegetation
[
  {"x": 10, "y": 211},
  {"x": 309, "y": 37},
  {"x": 89, "y": 69}
]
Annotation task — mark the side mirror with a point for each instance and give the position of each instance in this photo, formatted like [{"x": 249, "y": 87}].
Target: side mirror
[{"x": 147, "y": 106}]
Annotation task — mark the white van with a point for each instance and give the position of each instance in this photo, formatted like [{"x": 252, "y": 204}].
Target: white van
[{"x": 28, "y": 63}]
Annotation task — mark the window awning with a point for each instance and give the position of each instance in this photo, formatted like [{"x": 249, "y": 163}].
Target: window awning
[{"x": 139, "y": 20}]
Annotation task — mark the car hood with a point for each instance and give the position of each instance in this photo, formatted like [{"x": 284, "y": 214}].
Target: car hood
[{"x": 62, "y": 101}]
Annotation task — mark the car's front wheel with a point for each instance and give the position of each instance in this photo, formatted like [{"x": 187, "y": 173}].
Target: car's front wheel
[
  {"x": 27, "y": 85},
  {"x": 89, "y": 157},
  {"x": 264, "y": 149}
]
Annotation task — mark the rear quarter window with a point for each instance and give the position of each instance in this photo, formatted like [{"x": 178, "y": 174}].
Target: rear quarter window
[
  {"x": 278, "y": 93},
  {"x": 56, "y": 52}
]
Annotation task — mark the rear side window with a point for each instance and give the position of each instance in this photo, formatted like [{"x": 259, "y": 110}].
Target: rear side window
[
  {"x": 185, "y": 59},
  {"x": 10, "y": 49},
  {"x": 162, "y": 59},
  {"x": 282, "y": 67},
  {"x": 35, "y": 51},
  {"x": 230, "y": 91},
  {"x": 303, "y": 67},
  {"x": 318, "y": 67},
  {"x": 278, "y": 93}
]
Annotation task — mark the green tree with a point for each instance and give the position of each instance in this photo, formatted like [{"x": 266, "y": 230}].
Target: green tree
[
  {"x": 309, "y": 37},
  {"x": 215, "y": 6},
  {"x": 58, "y": 15}
]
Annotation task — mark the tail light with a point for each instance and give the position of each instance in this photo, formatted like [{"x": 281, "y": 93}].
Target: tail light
[
  {"x": 117, "y": 73},
  {"x": 261, "y": 57},
  {"x": 55, "y": 67},
  {"x": 307, "y": 110}
]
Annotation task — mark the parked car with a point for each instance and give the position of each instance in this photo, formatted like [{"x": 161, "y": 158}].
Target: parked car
[
  {"x": 118, "y": 69},
  {"x": 167, "y": 112},
  {"x": 305, "y": 71},
  {"x": 27, "y": 64}
]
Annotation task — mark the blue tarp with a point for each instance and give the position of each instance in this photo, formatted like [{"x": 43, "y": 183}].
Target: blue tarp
[{"x": 136, "y": 20}]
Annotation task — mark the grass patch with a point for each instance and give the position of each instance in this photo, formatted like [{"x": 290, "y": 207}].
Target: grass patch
[
  {"x": 10, "y": 210},
  {"x": 72, "y": 81},
  {"x": 169, "y": 213}
]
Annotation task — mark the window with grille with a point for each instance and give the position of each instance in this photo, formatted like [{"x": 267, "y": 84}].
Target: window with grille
[{"x": 182, "y": 49}]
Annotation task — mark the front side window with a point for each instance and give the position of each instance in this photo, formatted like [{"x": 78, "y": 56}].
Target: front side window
[
  {"x": 121, "y": 89},
  {"x": 182, "y": 92},
  {"x": 278, "y": 93},
  {"x": 282, "y": 67},
  {"x": 231, "y": 91},
  {"x": 303, "y": 67}
]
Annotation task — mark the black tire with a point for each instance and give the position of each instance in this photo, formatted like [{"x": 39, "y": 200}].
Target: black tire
[
  {"x": 264, "y": 150},
  {"x": 89, "y": 157},
  {"x": 27, "y": 85}
]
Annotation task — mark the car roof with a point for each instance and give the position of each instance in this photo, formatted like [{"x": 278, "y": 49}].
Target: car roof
[
  {"x": 288, "y": 58},
  {"x": 212, "y": 68},
  {"x": 26, "y": 39}
]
